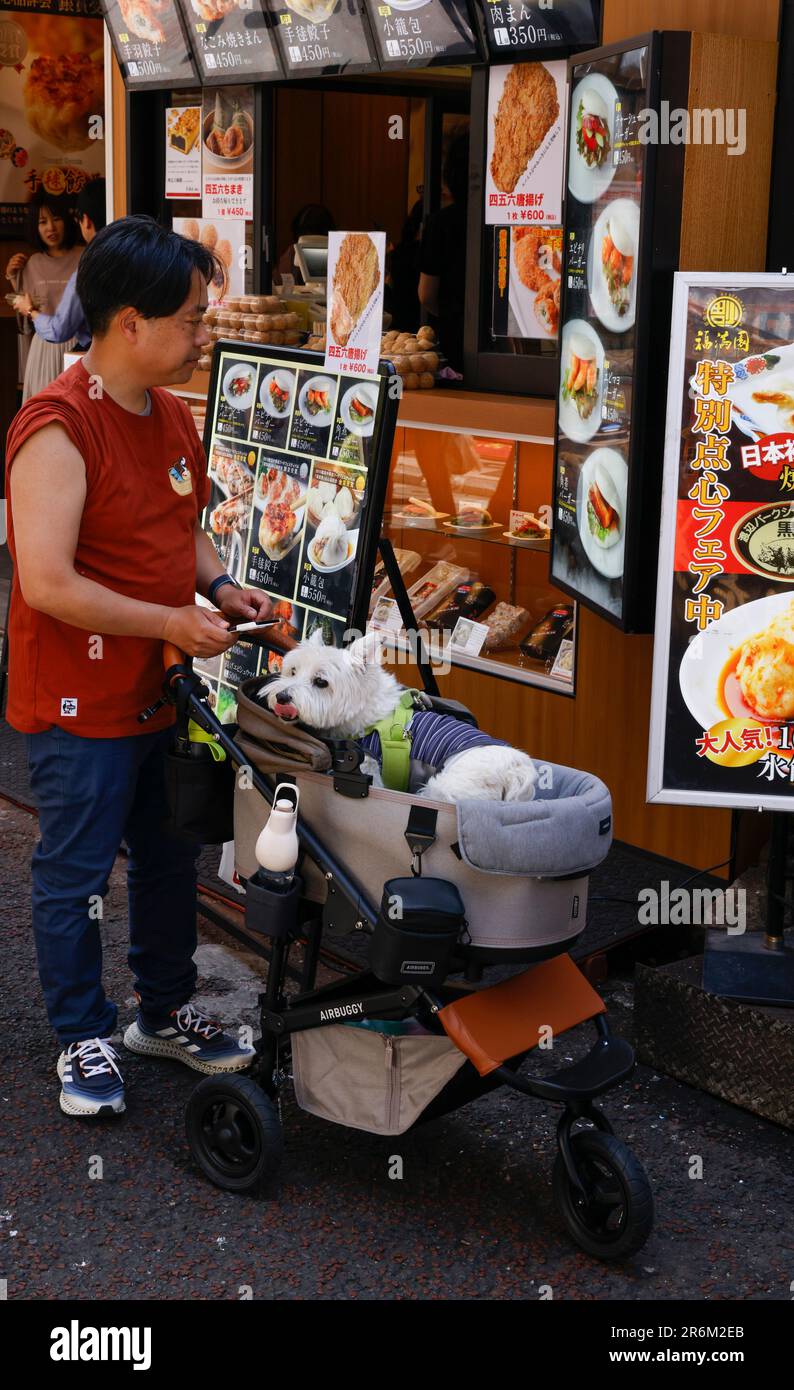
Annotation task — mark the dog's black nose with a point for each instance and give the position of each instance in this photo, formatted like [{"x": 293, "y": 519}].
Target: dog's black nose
[{"x": 283, "y": 698}]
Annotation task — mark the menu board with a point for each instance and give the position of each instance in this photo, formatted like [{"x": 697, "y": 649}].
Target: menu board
[
  {"x": 328, "y": 36},
  {"x": 606, "y": 167},
  {"x": 418, "y": 33},
  {"x": 297, "y": 494},
  {"x": 530, "y": 26},
  {"x": 722, "y": 720},
  {"x": 231, "y": 39},
  {"x": 150, "y": 44},
  {"x": 525, "y": 153}
]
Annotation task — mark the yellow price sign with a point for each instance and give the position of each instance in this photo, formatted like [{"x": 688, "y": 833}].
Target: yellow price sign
[{"x": 285, "y": 18}]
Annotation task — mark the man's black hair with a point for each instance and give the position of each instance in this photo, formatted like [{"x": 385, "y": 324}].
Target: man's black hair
[
  {"x": 91, "y": 202},
  {"x": 57, "y": 207},
  {"x": 312, "y": 220},
  {"x": 137, "y": 263}
]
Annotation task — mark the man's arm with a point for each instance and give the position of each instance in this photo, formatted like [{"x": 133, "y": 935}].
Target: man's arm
[
  {"x": 68, "y": 319},
  {"x": 240, "y": 604},
  {"x": 48, "y": 491}
]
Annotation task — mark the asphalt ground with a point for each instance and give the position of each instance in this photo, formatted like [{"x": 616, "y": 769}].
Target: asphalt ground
[{"x": 472, "y": 1216}]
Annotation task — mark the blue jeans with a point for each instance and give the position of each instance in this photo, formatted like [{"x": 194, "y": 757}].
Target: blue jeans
[{"x": 92, "y": 793}]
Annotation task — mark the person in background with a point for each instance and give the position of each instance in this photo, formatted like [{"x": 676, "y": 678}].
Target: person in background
[
  {"x": 44, "y": 277},
  {"x": 442, "y": 278},
  {"x": 402, "y": 297},
  {"x": 312, "y": 220},
  {"x": 68, "y": 322}
]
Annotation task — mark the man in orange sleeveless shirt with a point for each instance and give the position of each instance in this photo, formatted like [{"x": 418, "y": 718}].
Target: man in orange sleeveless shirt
[{"x": 108, "y": 481}]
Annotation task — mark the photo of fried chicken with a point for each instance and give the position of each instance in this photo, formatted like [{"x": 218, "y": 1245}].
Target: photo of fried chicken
[
  {"x": 61, "y": 95},
  {"x": 528, "y": 108},
  {"x": 143, "y": 18},
  {"x": 766, "y": 668},
  {"x": 356, "y": 277},
  {"x": 538, "y": 259}
]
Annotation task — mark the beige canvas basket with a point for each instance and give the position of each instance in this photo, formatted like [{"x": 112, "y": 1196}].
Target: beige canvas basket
[{"x": 368, "y": 1080}]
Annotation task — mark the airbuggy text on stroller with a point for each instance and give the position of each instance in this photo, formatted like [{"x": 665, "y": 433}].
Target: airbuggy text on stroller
[{"x": 443, "y": 1041}]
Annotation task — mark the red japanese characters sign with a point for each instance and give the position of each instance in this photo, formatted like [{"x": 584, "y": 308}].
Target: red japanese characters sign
[{"x": 722, "y": 729}]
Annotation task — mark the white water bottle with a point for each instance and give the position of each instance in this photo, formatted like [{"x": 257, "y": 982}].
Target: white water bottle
[{"x": 277, "y": 847}]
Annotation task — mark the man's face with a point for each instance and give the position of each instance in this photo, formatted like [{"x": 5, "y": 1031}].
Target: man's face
[{"x": 171, "y": 347}]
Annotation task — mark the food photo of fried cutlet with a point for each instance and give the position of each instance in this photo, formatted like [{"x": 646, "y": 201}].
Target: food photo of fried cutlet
[
  {"x": 528, "y": 108},
  {"x": 61, "y": 95},
  {"x": 356, "y": 277}
]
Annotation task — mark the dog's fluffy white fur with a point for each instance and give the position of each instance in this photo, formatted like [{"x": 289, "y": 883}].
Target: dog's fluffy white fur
[{"x": 342, "y": 692}]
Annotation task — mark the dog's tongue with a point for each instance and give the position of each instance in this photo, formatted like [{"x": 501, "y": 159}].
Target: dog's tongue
[{"x": 287, "y": 712}]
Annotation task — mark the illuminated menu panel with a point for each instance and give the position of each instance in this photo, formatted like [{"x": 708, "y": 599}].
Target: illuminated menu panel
[
  {"x": 328, "y": 36},
  {"x": 150, "y": 43},
  {"x": 416, "y": 33},
  {"x": 525, "y": 26},
  {"x": 231, "y": 39}
]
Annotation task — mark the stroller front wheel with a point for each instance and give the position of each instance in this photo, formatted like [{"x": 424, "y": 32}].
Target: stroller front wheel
[
  {"x": 613, "y": 1218},
  {"x": 234, "y": 1132}
]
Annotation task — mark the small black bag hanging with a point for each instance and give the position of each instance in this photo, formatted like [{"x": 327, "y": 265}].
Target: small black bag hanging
[
  {"x": 200, "y": 789},
  {"x": 418, "y": 927}
]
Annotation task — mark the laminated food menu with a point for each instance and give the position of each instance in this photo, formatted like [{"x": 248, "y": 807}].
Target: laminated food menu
[
  {"x": 722, "y": 715},
  {"x": 602, "y": 273},
  {"x": 297, "y": 495}
]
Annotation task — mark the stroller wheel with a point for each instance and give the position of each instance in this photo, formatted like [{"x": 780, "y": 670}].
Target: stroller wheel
[
  {"x": 615, "y": 1216},
  {"x": 234, "y": 1132}
]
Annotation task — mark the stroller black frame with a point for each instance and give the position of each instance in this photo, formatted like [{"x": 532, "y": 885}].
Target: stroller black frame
[{"x": 233, "y": 1122}]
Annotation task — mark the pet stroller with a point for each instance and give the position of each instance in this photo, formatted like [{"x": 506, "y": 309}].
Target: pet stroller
[{"x": 418, "y": 1031}]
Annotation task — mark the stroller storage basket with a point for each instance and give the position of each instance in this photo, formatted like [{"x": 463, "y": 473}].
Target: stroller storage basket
[
  {"x": 419, "y": 923},
  {"x": 369, "y": 1080}
]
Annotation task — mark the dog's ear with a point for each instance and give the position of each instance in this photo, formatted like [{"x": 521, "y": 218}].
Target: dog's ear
[
  {"x": 367, "y": 650},
  {"x": 316, "y": 639}
]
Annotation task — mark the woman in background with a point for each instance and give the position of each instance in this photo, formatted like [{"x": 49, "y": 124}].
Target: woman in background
[{"x": 52, "y": 230}]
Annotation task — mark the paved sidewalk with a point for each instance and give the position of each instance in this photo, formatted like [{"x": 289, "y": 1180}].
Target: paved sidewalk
[{"x": 472, "y": 1217}]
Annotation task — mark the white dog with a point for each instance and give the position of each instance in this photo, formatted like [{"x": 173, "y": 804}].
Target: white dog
[{"x": 344, "y": 692}]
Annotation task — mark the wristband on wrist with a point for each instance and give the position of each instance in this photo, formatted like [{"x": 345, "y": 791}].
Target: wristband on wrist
[{"x": 216, "y": 584}]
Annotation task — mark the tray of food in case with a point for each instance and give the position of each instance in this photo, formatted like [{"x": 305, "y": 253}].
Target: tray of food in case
[
  {"x": 435, "y": 585},
  {"x": 418, "y": 514},
  {"x": 407, "y": 562},
  {"x": 472, "y": 519},
  {"x": 528, "y": 530}
]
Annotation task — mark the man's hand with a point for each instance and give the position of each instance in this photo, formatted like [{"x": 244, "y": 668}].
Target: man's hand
[
  {"x": 198, "y": 631},
  {"x": 17, "y": 263},
  {"x": 244, "y": 605}
]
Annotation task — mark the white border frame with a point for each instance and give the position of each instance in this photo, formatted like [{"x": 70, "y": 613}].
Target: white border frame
[{"x": 656, "y": 792}]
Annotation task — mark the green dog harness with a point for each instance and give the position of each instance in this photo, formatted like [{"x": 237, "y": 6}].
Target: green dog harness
[{"x": 395, "y": 742}]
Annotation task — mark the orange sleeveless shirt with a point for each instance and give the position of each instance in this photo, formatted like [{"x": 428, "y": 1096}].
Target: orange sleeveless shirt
[{"x": 146, "y": 485}]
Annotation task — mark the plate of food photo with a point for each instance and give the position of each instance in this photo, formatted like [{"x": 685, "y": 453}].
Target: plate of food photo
[
  {"x": 359, "y": 404},
  {"x": 591, "y": 166},
  {"x": 230, "y": 472},
  {"x": 762, "y": 393},
  {"x": 337, "y": 498},
  {"x": 612, "y": 264},
  {"x": 332, "y": 547},
  {"x": 228, "y": 131},
  {"x": 282, "y": 500},
  {"x": 742, "y": 666},
  {"x": 276, "y": 391},
  {"x": 601, "y": 510},
  {"x": 581, "y": 380},
  {"x": 238, "y": 386},
  {"x": 316, "y": 400},
  {"x": 535, "y": 264}
]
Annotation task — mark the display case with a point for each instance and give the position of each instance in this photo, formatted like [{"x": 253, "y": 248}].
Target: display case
[{"x": 468, "y": 515}]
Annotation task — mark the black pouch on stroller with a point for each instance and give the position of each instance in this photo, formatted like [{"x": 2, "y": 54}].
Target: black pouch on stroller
[
  {"x": 419, "y": 923},
  {"x": 200, "y": 794}
]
